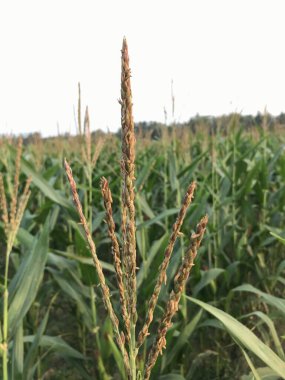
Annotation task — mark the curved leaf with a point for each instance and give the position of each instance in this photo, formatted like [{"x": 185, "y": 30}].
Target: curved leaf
[
  {"x": 268, "y": 298},
  {"x": 57, "y": 344},
  {"x": 207, "y": 278},
  {"x": 25, "y": 284},
  {"x": 245, "y": 337}
]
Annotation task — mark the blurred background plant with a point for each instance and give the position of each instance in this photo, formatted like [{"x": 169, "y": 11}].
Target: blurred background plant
[{"x": 239, "y": 269}]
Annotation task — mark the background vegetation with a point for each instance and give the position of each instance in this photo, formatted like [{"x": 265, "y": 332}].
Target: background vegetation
[{"x": 58, "y": 327}]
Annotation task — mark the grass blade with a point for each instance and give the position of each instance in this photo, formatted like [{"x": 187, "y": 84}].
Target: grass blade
[{"x": 245, "y": 337}]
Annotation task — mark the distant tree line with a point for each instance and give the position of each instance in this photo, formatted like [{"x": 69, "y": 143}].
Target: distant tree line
[{"x": 210, "y": 124}]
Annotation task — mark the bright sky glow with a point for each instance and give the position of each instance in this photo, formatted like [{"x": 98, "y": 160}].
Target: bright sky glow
[{"x": 223, "y": 56}]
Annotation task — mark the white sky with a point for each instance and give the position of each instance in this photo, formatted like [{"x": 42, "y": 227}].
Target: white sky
[{"x": 223, "y": 56}]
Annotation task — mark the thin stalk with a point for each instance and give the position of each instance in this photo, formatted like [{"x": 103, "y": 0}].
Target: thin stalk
[
  {"x": 234, "y": 187},
  {"x": 178, "y": 203},
  {"x": 165, "y": 190},
  {"x": 83, "y": 330},
  {"x": 101, "y": 368},
  {"x": 90, "y": 197},
  {"x": 214, "y": 206},
  {"x": 264, "y": 205},
  {"x": 79, "y": 329},
  {"x": 5, "y": 316},
  {"x": 83, "y": 338}
]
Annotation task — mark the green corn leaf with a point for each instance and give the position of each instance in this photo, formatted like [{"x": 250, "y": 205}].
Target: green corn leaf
[
  {"x": 265, "y": 318},
  {"x": 207, "y": 278},
  {"x": 278, "y": 237},
  {"x": 25, "y": 284},
  {"x": 276, "y": 302},
  {"x": 246, "y": 338},
  {"x": 264, "y": 373},
  {"x": 45, "y": 187},
  {"x": 144, "y": 271},
  {"x": 56, "y": 344},
  {"x": 183, "y": 337},
  {"x": 172, "y": 376},
  {"x": 69, "y": 287},
  {"x": 118, "y": 357},
  {"x": 18, "y": 354},
  {"x": 157, "y": 219},
  {"x": 251, "y": 365},
  {"x": 31, "y": 357}
]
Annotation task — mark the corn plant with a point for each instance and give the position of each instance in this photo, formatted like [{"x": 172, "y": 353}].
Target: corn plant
[
  {"x": 125, "y": 262},
  {"x": 12, "y": 217}
]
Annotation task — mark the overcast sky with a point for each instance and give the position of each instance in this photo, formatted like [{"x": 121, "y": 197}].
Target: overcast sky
[{"x": 222, "y": 56}]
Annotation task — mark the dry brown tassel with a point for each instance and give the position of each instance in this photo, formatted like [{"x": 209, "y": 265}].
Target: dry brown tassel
[
  {"x": 19, "y": 215},
  {"x": 3, "y": 206},
  {"x": 98, "y": 148},
  {"x": 163, "y": 267},
  {"x": 104, "y": 287},
  {"x": 87, "y": 134},
  {"x": 128, "y": 176},
  {"x": 174, "y": 298},
  {"x": 107, "y": 197},
  {"x": 14, "y": 198}
]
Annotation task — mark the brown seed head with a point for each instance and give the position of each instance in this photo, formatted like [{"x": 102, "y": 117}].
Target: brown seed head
[
  {"x": 128, "y": 177},
  {"x": 163, "y": 267},
  {"x": 180, "y": 280}
]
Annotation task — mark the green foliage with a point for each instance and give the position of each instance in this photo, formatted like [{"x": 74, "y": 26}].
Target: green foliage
[
  {"x": 245, "y": 338},
  {"x": 238, "y": 276}
]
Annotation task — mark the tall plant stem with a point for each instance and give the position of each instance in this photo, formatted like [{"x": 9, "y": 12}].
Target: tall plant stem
[
  {"x": 234, "y": 187},
  {"x": 215, "y": 203},
  {"x": 5, "y": 315},
  {"x": 178, "y": 203},
  {"x": 101, "y": 368}
]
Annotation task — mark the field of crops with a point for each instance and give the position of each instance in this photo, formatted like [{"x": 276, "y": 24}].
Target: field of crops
[
  {"x": 57, "y": 323},
  {"x": 64, "y": 318}
]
